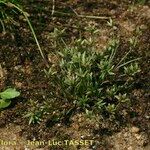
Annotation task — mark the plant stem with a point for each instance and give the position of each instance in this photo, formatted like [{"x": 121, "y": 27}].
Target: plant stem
[
  {"x": 127, "y": 63},
  {"x": 31, "y": 28}
]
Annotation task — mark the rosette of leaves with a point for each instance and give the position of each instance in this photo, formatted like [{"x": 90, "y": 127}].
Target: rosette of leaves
[
  {"x": 93, "y": 81},
  {"x": 6, "y": 97}
]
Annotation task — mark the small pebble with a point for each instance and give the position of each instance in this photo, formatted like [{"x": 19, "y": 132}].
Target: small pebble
[
  {"x": 130, "y": 148},
  {"x": 82, "y": 136},
  {"x": 135, "y": 129},
  {"x": 138, "y": 136}
]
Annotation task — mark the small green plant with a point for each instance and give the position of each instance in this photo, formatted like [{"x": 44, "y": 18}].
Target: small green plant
[
  {"x": 133, "y": 41},
  {"x": 34, "y": 117},
  {"x": 56, "y": 36},
  {"x": 122, "y": 98},
  {"x": 111, "y": 108},
  {"x": 111, "y": 23},
  {"x": 35, "y": 112},
  {"x": 90, "y": 80},
  {"x": 132, "y": 69},
  {"x": 7, "y": 96}
]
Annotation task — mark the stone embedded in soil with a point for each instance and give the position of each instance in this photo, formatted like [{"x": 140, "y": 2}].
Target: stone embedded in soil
[
  {"x": 130, "y": 148},
  {"x": 137, "y": 136},
  {"x": 135, "y": 129}
]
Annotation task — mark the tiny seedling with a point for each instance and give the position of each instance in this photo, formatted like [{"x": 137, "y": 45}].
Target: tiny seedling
[
  {"x": 6, "y": 97},
  {"x": 34, "y": 117},
  {"x": 111, "y": 23}
]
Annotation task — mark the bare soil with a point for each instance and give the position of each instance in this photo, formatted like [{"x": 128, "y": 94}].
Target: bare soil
[{"x": 22, "y": 67}]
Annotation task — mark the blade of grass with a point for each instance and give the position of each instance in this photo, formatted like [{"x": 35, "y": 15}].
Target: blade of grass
[
  {"x": 3, "y": 26},
  {"x": 123, "y": 58},
  {"x": 127, "y": 63},
  {"x": 31, "y": 28}
]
